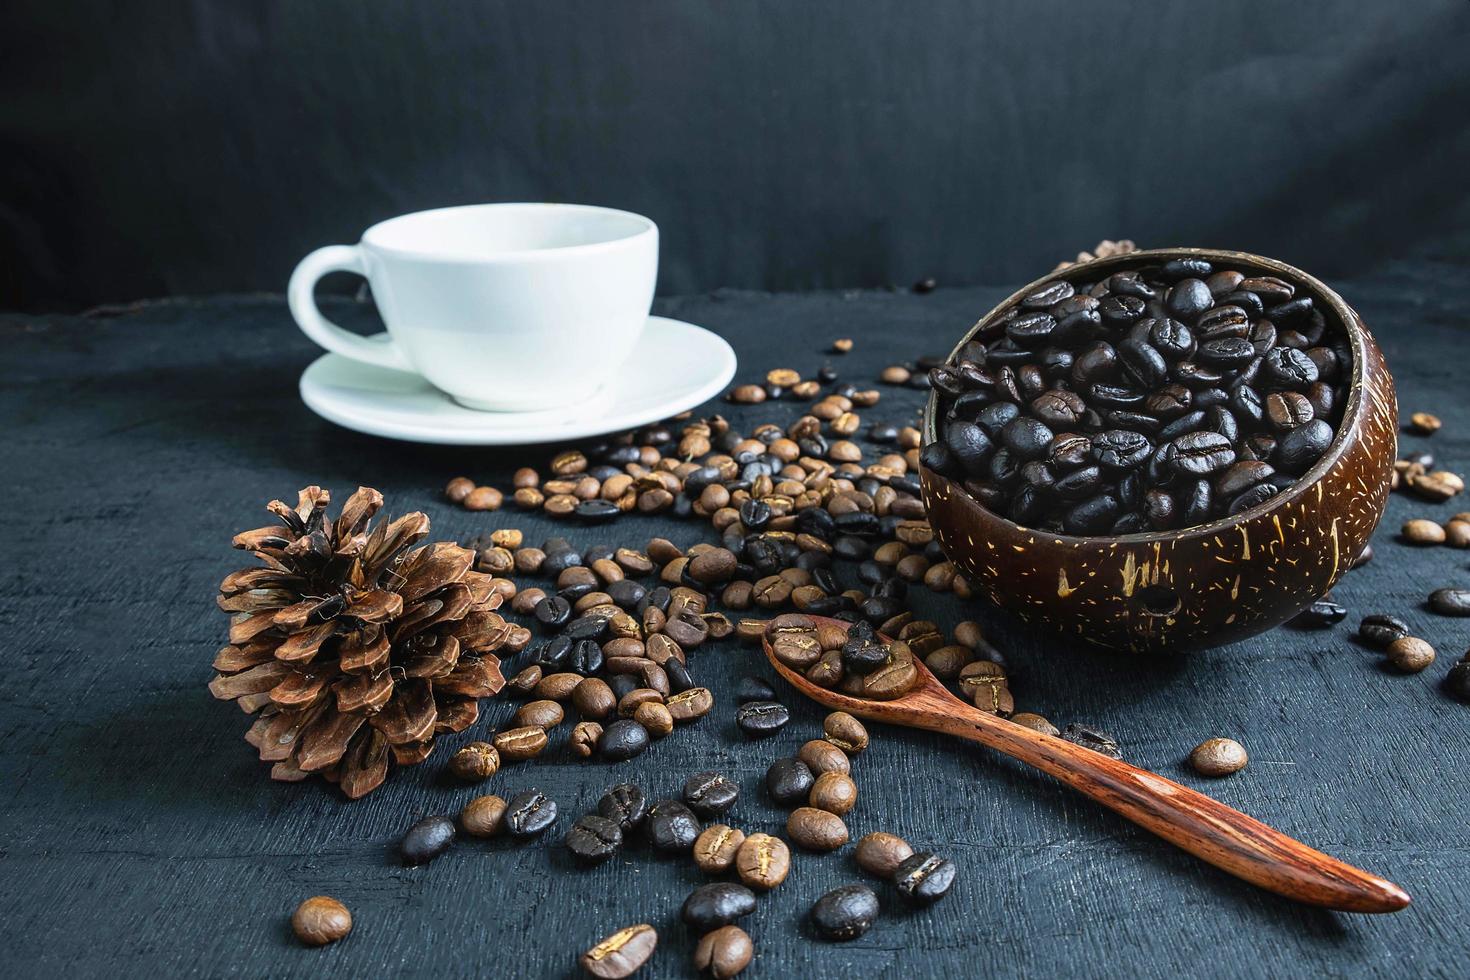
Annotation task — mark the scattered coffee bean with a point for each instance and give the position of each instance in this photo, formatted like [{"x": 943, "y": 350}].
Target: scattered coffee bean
[
  {"x": 846, "y": 732},
  {"x": 544, "y": 714},
  {"x": 1092, "y": 738},
  {"x": 710, "y": 794},
  {"x": 822, "y": 756},
  {"x": 655, "y": 718},
  {"x": 426, "y": 840},
  {"x": 1450, "y": 602},
  {"x": 625, "y": 804},
  {"x": 881, "y": 853},
  {"x": 518, "y": 744},
  {"x": 834, "y": 792},
  {"x": 475, "y": 762},
  {"x": 723, "y": 953},
  {"x": 1457, "y": 681},
  {"x": 1424, "y": 424},
  {"x": 584, "y": 738},
  {"x": 691, "y": 704},
  {"x": 482, "y": 816},
  {"x": 1320, "y": 615},
  {"x": 763, "y": 861},
  {"x": 924, "y": 877},
  {"x": 321, "y": 920},
  {"x": 789, "y": 781},
  {"x": 622, "y": 954},
  {"x": 594, "y": 839},
  {"x": 717, "y": 904},
  {"x": 1380, "y": 629},
  {"x": 845, "y": 913},
  {"x": 816, "y": 830},
  {"x": 1409, "y": 654},
  {"x": 762, "y": 719},
  {"x": 716, "y": 847},
  {"x": 1218, "y": 757},
  {"x": 621, "y": 740},
  {"x": 1423, "y": 531},
  {"x": 672, "y": 826},
  {"x": 529, "y": 813},
  {"x": 1035, "y": 722}
]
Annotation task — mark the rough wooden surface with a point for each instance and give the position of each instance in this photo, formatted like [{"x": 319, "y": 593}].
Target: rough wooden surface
[{"x": 140, "y": 837}]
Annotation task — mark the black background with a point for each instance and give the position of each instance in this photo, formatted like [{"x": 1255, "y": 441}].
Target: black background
[{"x": 163, "y": 148}]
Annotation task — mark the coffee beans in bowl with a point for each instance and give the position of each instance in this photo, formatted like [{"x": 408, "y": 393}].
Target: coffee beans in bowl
[{"x": 1093, "y": 444}]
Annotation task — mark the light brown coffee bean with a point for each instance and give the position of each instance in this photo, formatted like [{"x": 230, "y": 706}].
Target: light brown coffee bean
[
  {"x": 1424, "y": 424},
  {"x": 633, "y": 562},
  {"x": 747, "y": 394},
  {"x": 881, "y": 853},
  {"x": 1457, "y": 534},
  {"x": 558, "y": 687},
  {"x": 691, "y": 704},
  {"x": 842, "y": 345},
  {"x": 584, "y": 738},
  {"x": 526, "y": 600},
  {"x": 834, "y": 792},
  {"x": 474, "y": 762},
  {"x": 723, "y": 953},
  {"x": 529, "y": 560},
  {"x": 797, "y": 650},
  {"x": 654, "y": 716},
  {"x": 984, "y": 683},
  {"x": 629, "y": 703},
  {"x": 969, "y": 633},
  {"x": 763, "y": 862},
  {"x": 1218, "y": 757},
  {"x": 622, "y": 954},
  {"x": 821, "y": 756},
  {"x": 716, "y": 847},
  {"x": 321, "y": 920},
  {"x": 545, "y": 714},
  {"x": 1421, "y": 530},
  {"x": 594, "y": 699},
  {"x": 458, "y": 489},
  {"x": 1410, "y": 654},
  {"x": 481, "y": 816},
  {"x": 525, "y": 477},
  {"x": 525, "y": 681},
  {"x": 826, "y": 672},
  {"x": 896, "y": 677},
  {"x": 529, "y": 498},
  {"x": 845, "y": 731},
  {"x": 483, "y": 498},
  {"x": 946, "y": 662},
  {"x": 518, "y": 744},
  {"x": 1035, "y": 722},
  {"x": 816, "y": 830}
]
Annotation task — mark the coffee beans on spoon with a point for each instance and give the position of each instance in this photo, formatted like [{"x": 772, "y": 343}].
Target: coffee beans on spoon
[{"x": 1155, "y": 399}]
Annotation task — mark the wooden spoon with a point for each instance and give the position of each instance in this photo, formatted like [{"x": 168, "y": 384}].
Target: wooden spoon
[{"x": 1206, "y": 828}]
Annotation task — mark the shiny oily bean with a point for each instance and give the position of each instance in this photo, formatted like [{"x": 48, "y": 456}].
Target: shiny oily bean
[
  {"x": 924, "y": 878},
  {"x": 529, "y": 813},
  {"x": 717, "y": 904},
  {"x": 1218, "y": 757},
  {"x": 845, "y": 731},
  {"x": 881, "y": 853},
  {"x": 816, "y": 830},
  {"x": 426, "y": 840},
  {"x": 716, "y": 847},
  {"x": 845, "y": 913},
  {"x": 763, "y": 861},
  {"x": 672, "y": 826},
  {"x": 622, "y": 954},
  {"x": 723, "y": 953},
  {"x": 1450, "y": 602},
  {"x": 834, "y": 792},
  {"x": 821, "y": 756}
]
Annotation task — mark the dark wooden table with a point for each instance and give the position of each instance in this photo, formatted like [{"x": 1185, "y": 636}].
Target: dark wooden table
[{"x": 140, "y": 837}]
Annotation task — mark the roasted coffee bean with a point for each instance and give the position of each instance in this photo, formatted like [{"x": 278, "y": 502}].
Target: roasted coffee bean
[
  {"x": 1450, "y": 602},
  {"x": 881, "y": 853},
  {"x": 1409, "y": 654},
  {"x": 622, "y": 954},
  {"x": 816, "y": 830},
  {"x": 1457, "y": 681},
  {"x": 861, "y": 655},
  {"x": 1380, "y": 629},
  {"x": 762, "y": 719},
  {"x": 623, "y": 739},
  {"x": 1092, "y": 738},
  {"x": 710, "y": 794},
  {"x": 553, "y": 612},
  {"x": 1218, "y": 757},
  {"x": 475, "y": 762},
  {"x": 322, "y": 919},
  {"x": 924, "y": 878},
  {"x": 1423, "y": 531},
  {"x": 540, "y": 714},
  {"x": 625, "y": 804},
  {"x": 845, "y": 913},
  {"x": 690, "y": 705},
  {"x": 519, "y": 744},
  {"x": 482, "y": 816},
  {"x": 821, "y": 756},
  {"x": 426, "y": 840},
  {"x": 672, "y": 826},
  {"x": 789, "y": 781},
  {"x": 584, "y": 738},
  {"x": 594, "y": 839},
  {"x": 1033, "y": 721},
  {"x": 715, "y": 848},
  {"x": 846, "y": 732},
  {"x": 723, "y": 953},
  {"x": 717, "y": 904},
  {"x": 529, "y": 813},
  {"x": 834, "y": 792},
  {"x": 655, "y": 718},
  {"x": 763, "y": 861}
]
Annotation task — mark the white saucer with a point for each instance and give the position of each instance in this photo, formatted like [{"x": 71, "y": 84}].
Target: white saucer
[{"x": 675, "y": 367}]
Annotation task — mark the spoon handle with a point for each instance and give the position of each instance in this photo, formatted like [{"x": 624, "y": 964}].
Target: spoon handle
[{"x": 1206, "y": 828}]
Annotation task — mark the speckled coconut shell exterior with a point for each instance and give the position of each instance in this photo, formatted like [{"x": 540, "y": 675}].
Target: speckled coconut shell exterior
[{"x": 1201, "y": 586}]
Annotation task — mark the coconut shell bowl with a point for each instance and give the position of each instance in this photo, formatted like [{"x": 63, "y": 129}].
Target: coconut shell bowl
[{"x": 1199, "y": 586}]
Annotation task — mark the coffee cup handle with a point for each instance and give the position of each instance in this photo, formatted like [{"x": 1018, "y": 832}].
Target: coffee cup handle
[{"x": 380, "y": 350}]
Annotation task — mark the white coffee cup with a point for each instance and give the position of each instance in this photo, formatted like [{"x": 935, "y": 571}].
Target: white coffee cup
[{"x": 504, "y": 307}]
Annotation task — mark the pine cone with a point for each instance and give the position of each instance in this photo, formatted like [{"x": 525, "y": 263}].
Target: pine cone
[{"x": 353, "y": 645}]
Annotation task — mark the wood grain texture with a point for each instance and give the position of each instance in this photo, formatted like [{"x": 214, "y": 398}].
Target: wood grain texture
[
  {"x": 1204, "y": 827},
  {"x": 139, "y": 836}
]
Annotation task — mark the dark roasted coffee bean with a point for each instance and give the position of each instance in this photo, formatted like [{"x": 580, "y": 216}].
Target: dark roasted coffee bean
[
  {"x": 671, "y": 826},
  {"x": 1298, "y": 449},
  {"x": 594, "y": 839},
  {"x": 717, "y": 904},
  {"x": 1320, "y": 615},
  {"x": 1121, "y": 449},
  {"x": 624, "y": 804},
  {"x": 1457, "y": 681},
  {"x": 1380, "y": 629},
  {"x": 710, "y": 794},
  {"x": 924, "y": 877},
  {"x": 1226, "y": 352},
  {"x": 426, "y": 840},
  {"x": 1200, "y": 454},
  {"x": 761, "y": 719},
  {"x": 529, "y": 813},
  {"x": 1187, "y": 299},
  {"x": 1026, "y": 437},
  {"x": 597, "y": 511},
  {"x": 1450, "y": 602},
  {"x": 1254, "y": 497},
  {"x": 1094, "y": 739},
  {"x": 1240, "y": 477},
  {"x": 1092, "y": 516},
  {"x": 553, "y": 612},
  {"x": 845, "y": 913},
  {"x": 969, "y": 446},
  {"x": 1030, "y": 329},
  {"x": 788, "y": 781},
  {"x": 621, "y": 740},
  {"x": 1288, "y": 368},
  {"x": 1142, "y": 364}
]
